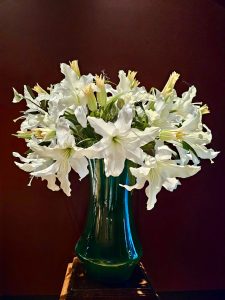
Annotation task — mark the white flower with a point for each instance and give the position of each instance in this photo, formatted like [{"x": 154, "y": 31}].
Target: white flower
[
  {"x": 72, "y": 94},
  {"x": 56, "y": 161},
  {"x": 192, "y": 133},
  {"x": 160, "y": 171},
  {"x": 183, "y": 107},
  {"x": 119, "y": 141}
]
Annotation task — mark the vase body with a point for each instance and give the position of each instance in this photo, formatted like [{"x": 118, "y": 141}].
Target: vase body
[{"x": 109, "y": 247}]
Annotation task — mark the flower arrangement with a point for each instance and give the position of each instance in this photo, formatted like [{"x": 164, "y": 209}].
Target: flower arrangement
[{"x": 87, "y": 117}]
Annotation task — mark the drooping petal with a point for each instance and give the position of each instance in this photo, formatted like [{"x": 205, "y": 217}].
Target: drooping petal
[
  {"x": 50, "y": 170},
  {"x": 114, "y": 159},
  {"x": 171, "y": 184},
  {"x": 140, "y": 182},
  {"x": 154, "y": 187},
  {"x": 25, "y": 167},
  {"x": 63, "y": 176},
  {"x": 205, "y": 153},
  {"x": 51, "y": 182},
  {"x": 170, "y": 169},
  {"x": 79, "y": 165}
]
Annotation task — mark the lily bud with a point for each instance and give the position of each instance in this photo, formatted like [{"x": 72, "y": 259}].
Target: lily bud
[
  {"x": 91, "y": 100},
  {"x": 74, "y": 66},
  {"x": 101, "y": 94},
  {"x": 40, "y": 133},
  {"x": 38, "y": 89},
  {"x": 168, "y": 88},
  {"x": 133, "y": 81},
  {"x": 168, "y": 135},
  {"x": 204, "y": 109},
  {"x": 120, "y": 103}
]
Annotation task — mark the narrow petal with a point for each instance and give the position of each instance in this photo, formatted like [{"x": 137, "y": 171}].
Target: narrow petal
[
  {"x": 143, "y": 137},
  {"x": 25, "y": 167},
  {"x": 101, "y": 127},
  {"x": 64, "y": 137},
  {"x": 138, "y": 185},
  {"x": 205, "y": 153},
  {"x": 124, "y": 120},
  {"x": 95, "y": 151},
  {"x": 154, "y": 187},
  {"x": 50, "y": 170},
  {"x": 63, "y": 176},
  {"x": 171, "y": 170},
  {"x": 51, "y": 182},
  {"x": 81, "y": 115}
]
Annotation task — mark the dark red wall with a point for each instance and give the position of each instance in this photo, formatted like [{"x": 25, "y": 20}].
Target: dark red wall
[{"x": 184, "y": 236}]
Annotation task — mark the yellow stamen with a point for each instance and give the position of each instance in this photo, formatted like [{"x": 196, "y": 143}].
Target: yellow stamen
[
  {"x": 180, "y": 135},
  {"x": 131, "y": 76},
  {"x": 100, "y": 81},
  {"x": 91, "y": 100}
]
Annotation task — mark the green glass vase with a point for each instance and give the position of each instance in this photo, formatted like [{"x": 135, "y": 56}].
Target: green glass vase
[{"x": 109, "y": 246}]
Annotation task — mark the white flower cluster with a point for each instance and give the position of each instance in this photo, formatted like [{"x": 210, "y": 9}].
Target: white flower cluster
[{"x": 85, "y": 117}]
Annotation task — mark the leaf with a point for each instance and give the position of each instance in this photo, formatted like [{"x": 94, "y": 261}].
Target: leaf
[
  {"x": 44, "y": 104},
  {"x": 187, "y": 147},
  {"x": 30, "y": 91}
]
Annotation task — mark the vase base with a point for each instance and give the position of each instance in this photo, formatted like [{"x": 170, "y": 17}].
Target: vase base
[
  {"x": 107, "y": 271},
  {"x": 78, "y": 286}
]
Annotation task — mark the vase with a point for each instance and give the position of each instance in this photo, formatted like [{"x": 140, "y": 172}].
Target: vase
[{"x": 109, "y": 246}]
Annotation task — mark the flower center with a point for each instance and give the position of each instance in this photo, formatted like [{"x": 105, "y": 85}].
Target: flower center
[
  {"x": 116, "y": 139},
  {"x": 68, "y": 152}
]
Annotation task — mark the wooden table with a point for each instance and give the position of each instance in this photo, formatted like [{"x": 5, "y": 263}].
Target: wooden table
[{"x": 77, "y": 286}]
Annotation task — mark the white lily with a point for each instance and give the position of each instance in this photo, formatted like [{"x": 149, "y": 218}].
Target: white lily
[
  {"x": 159, "y": 171},
  {"x": 72, "y": 93},
  {"x": 183, "y": 107},
  {"x": 56, "y": 161},
  {"x": 160, "y": 116},
  {"x": 119, "y": 141},
  {"x": 193, "y": 134}
]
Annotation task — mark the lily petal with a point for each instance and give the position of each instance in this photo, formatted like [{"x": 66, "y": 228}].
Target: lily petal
[
  {"x": 101, "y": 127},
  {"x": 80, "y": 165}
]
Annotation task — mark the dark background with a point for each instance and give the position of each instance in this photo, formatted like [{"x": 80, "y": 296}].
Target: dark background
[{"x": 183, "y": 238}]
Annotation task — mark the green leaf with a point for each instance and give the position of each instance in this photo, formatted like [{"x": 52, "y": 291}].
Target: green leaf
[{"x": 187, "y": 147}]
